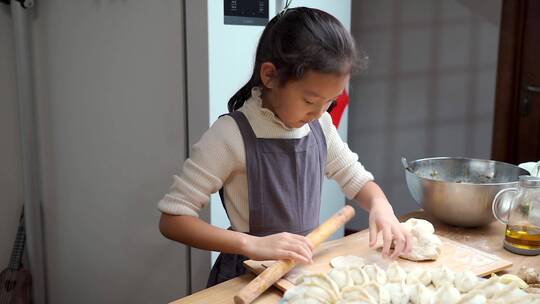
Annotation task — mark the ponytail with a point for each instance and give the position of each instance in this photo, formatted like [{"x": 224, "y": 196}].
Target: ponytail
[
  {"x": 238, "y": 99},
  {"x": 296, "y": 41}
]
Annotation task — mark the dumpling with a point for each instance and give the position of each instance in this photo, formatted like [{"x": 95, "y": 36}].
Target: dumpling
[
  {"x": 399, "y": 292},
  {"x": 508, "y": 293},
  {"x": 321, "y": 280},
  {"x": 292, "y": 293},
  {"x": 358, "y": 275},
  {"x": 357, "y": 293},
  {"x": 307, "y": 293},
  {"x": 377, "y": 292},
  {"x": 510, "y": 278},
  {"x": 306, "y": 300},
  {"x": 465, "y": 281},
  {"x": 441, "y": 276},
  {"x": 473, "y": 297},
  {"x": 529, "y": 299},
  {"x": 347, "y": 260},
  {"x": 447, "y": 294},
  {"x": 375, "y": 273},
  {"x": 490, "y": 287},
  {"x": 421, "y": 274},
  {"x": 355, "y": 301},
  {"x": 395, "y": 273},
  {"x": 420, "y": 294},
  {"x": 341, "y": 277}
]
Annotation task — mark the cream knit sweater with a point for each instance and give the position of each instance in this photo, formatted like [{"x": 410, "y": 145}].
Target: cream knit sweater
[{"x": 218, "y": 159}]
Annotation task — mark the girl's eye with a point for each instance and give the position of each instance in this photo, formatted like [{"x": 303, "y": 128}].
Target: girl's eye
[{"x": 308, "y": 102}]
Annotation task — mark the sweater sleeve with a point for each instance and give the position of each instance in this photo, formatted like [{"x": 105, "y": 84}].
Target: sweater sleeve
[
  {"x": 342, "y": 164},
  {"x": 211, "y": 161}
]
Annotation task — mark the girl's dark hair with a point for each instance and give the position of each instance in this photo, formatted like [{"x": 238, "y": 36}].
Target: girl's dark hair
[{"x": 298, "y": 40}]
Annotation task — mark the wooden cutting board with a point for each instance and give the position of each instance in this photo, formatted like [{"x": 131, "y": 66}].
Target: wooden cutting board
[{"x": 456, "y": 256}]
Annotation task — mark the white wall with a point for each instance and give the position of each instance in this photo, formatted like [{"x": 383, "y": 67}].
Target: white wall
[
  {"x": 10, "y": 162},
  {"x": 429, "y": 90}
]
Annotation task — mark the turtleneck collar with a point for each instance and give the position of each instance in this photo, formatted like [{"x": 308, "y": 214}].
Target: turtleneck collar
[{"x": 255, "y": 102}]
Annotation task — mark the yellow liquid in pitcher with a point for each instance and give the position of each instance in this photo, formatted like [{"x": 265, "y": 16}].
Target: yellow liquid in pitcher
[{"x": 524, "y": 237}]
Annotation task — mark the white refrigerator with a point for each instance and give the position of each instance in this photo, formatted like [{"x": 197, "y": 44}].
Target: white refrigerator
[{"x": 216, "y": 74}]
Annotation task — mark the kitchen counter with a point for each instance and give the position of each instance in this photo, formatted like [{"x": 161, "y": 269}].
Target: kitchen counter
[{"x": 488, "y": 238}]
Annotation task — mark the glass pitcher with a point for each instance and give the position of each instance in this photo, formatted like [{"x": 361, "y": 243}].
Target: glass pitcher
[{"x": 522, "y": 216}]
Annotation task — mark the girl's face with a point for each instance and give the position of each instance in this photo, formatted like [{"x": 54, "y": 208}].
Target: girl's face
[{"x": 298, "y": 102}]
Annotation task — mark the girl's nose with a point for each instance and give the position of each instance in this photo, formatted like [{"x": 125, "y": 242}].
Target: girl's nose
[
  {"x": 321, "y": 111},
  {"x": 316, "y": 114}
]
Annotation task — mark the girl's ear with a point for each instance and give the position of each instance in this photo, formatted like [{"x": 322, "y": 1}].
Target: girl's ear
[{"x": 268, "y": 75}]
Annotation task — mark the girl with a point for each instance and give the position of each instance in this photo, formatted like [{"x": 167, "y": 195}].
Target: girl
[{"x": 270, "y": 153}]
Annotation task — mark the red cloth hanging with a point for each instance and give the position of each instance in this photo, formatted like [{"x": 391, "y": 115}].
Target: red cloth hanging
[{"x": 341, "y": 104}]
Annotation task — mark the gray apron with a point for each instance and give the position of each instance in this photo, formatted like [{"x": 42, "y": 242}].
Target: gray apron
[{"x": 285, "y": 179}]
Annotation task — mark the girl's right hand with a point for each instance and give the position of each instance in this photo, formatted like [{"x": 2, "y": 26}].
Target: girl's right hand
[{"x": 280, "y": 246}]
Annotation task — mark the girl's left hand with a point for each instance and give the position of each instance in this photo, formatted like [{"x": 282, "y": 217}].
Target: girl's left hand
[{"x": 382, "y": 219}]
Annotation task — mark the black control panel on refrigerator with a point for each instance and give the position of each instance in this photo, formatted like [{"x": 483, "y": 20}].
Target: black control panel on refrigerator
[{"x": 246, "y": 12}]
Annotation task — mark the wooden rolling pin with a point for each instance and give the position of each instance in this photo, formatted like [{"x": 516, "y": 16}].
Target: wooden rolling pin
[{"x": 275, "y": 272}]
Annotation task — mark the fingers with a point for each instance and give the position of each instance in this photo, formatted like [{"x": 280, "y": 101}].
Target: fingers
[
  {"x": 301, "y": 250},
  {"x": 305, "y": 240},
  {"x": 400, "y": 242},
  {"x": 299, "y": 245},
  {"x": 291, "y": 255},
  {"x": 387, "y": 241},
  {"x": 372, "y": 234}
]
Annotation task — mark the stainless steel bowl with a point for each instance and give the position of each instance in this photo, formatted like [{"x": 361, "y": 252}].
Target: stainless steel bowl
[{"x": 459, "y": 191}]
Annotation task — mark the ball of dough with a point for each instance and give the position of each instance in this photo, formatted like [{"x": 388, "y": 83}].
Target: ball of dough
[
  {"x": 425, "y": 244},
  {"x": 419, "y": 226}
]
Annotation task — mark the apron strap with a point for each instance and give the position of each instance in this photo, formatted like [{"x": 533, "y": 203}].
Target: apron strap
[
  {"x": 317, "y": 130},
  {"x": 249, "y": 137},
  {"x": 245, "y": 128}
]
